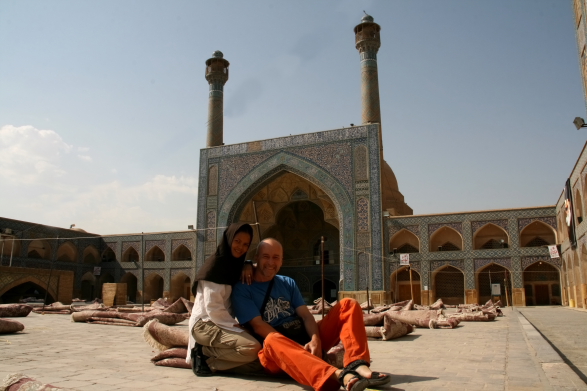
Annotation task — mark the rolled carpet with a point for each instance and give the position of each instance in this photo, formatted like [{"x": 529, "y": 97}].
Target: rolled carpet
[
  {"x": 20, "y": 382},
  {"x": 10, "y": 326},
  {"x": 14, "y": 310}
]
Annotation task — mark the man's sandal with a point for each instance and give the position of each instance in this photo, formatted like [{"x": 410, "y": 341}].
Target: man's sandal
[
  {"x": 376, "y": 379},
  {"x": 199, "y": 365},
  {"x": 359, "y": 385}
]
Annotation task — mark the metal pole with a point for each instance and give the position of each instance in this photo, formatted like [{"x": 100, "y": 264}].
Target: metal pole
[
  {"x": 395, "y": 295},
  {"x": 322, "y": 265},
  {"x": 142, "y": 260},
  {"x": 368, "y": 302},
  {"x": 411, "y": 286},
  {"x": 490, "y": 288},
  {"x": 2, "y": 252},
  {"x": 11, "y": 252},
  {"x": 257, "y": 221},
  {"x": 51, "y": 272}
]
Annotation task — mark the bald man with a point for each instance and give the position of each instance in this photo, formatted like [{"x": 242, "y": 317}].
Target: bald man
[{"x": 273, "y": 308}]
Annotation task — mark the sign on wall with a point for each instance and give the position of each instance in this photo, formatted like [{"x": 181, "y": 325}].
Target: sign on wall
[
  {"x": 495, "y": 289},
  {"x": 97, "y": 270},
  {"x": 553, "y": 250},
  {"x": 404, "y": 259}
]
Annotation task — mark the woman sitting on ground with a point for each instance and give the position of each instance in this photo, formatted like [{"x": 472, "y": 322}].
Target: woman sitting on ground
[{"x": 216, "y": 341}]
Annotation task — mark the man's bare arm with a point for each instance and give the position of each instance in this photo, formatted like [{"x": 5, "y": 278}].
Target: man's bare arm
[
  {"x": 260, "y": 327},
  {"x": 315, "y": 345}
]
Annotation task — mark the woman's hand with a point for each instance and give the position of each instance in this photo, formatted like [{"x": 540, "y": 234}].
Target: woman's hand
[{"x": 247, "y": 274}]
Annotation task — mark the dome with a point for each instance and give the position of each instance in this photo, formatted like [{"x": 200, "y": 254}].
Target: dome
[
  {"x": 217, "y": 54},
  {"x": 367, "y": 18},
  {"x": 79, "y": 230},
  {"x": 391, "y": 198}
]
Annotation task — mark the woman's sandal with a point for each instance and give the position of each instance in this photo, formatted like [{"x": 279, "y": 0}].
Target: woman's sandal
[{"x": 376, "y": 379}]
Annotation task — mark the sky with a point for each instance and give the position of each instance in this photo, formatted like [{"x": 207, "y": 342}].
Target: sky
[{"x": 103, "y": 104}]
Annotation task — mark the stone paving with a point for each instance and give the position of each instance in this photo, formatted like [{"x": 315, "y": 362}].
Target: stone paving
[
  {"x": 506, "y": 354},
  {"x": 564, "y": 328}
]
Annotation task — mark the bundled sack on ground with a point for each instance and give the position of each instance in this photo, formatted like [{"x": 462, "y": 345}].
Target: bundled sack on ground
[
  {"x": 318, "y": 304},
  {"x": 383, "y": 326},
  {"x": 55, "y": 308},
  {"x": 20, "y": 382},
  {"x": 10, "y": 326},
  {"x": 172, "y": 345},
  {"x": 424, "y": 318},
  {"x": 170, "y": 314},
  {"x": 14, "y": 310}
]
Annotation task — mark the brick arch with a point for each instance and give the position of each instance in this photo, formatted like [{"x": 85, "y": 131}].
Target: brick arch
[
  {"x": 489, "y": 232},
  {"x": 402, "y": 238},
  {"x": 267, "y": 172},
  {"x": 443, "y": 235},
  {"x": 24, "y": 280}
]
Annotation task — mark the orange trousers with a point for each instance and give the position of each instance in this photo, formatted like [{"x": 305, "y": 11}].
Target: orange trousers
[{"x": 344, "y": 322}]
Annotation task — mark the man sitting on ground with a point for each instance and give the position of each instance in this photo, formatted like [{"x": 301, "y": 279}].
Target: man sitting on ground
[{"x": 272, "y": 306}]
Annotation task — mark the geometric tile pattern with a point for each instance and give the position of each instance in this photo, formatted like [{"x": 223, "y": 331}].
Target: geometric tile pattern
[
  {"x": 361, "y": 170},
  {"x": 326, "y": 160},
  {"x": 551, "y": 220},
  {"x": 149, "y": 244},
  {"x": 456, "y": 226},
  {"x": 363, "y": 214},
  {"x": 527, "y": 261},
  {"x": 481, "y": 263},
  {"x": 475, "y": 225}
]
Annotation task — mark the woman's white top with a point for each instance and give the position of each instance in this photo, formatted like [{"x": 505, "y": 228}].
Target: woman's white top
[{"x": 212, "y": 305}]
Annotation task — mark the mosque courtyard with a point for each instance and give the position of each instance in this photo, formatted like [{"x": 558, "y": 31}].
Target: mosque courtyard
[{"x": 506, "y": 354}]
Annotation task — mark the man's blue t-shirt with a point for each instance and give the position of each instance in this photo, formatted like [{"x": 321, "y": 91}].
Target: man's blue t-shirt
[{"x": 284, "y": 298}]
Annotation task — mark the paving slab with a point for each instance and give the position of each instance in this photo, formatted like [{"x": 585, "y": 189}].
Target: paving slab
[{"x": 506, "y": 354}]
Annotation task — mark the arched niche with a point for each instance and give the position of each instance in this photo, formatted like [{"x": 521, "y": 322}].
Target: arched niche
[
  {"x": 449, "y": 285},
  {"x": 490, "y": 236},
  {"x": 494, "y": 274},
  {"x": 299, "y": 226},
  {"x": 67, "y": 252},
  {"x": 40, "y": 249},
  {"x": 108, "y": 255},
  {"x": 88, "y": 283},
  {"x": 131, "y": 286},
  {"x": 542, "y": 284},
  {"x": 180, "y": 286},
  {"x": 155, "y": 255},
  {"x": 10, "y": 246},
  {"x": 537, "y": 234},
  {"x": 25, "y": 288},
  {"x": 153, "y": 287},
  {"x": 404, "y": 242},
  {"x": 181, "y": 253},
  {"x": 91, "y": 255},
  {"x": 400, "y": 285},
  {"x": 130, "y": 255},
  {"x": 446, "y": 239}
]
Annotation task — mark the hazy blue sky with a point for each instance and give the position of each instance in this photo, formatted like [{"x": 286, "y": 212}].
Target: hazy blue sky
[{"x": 103, "y": 104}]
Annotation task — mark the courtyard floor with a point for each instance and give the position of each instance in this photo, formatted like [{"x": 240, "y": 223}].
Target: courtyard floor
[{"x": 507, "y": 354}]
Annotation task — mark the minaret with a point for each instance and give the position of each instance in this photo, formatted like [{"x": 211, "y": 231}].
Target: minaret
[
  {"x": 217, "y": 75},
  {"x": 367, "y": 42}
]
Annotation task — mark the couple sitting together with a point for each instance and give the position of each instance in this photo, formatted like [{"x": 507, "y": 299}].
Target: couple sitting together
[{"x": 274, "y": 324}]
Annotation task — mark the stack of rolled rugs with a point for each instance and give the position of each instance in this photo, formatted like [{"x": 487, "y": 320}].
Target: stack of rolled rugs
[
  {"x": 398, "y": 319},
  {"x": 161, "y": 310},
  {"x": 12, "y": 311},
  {"x": 476, "y": 313}
]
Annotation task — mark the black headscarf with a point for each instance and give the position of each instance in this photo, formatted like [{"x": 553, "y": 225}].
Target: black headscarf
[{"x": 221, "y": 267}]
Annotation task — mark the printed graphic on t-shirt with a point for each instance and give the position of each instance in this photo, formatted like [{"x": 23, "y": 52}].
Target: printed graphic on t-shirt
[{"x": 275, "y": 308}]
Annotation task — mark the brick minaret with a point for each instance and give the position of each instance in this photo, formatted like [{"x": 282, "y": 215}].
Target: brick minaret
[
  {"x": 367, "y": 42},
  {"x": 217, "y": 75}
]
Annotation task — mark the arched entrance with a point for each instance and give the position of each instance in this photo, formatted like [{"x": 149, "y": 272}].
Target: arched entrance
[
  {"x": 91, "y": 255},
  {"x": 449, "y": 285},
  {"x": 155, "y": 255},
  {"x": 299, "y": 226},
  {"x": 25, "y": 290},
  {"x": 88, "y": 286},
  {"x": 181, "y": 253},
  {"x": 542, "y": 284},
  {"x": 153, "y": 287},
  {"x": 330, "y": 291},
  {"x": 131, "y": 286},
  {"x": 490, "y": 236},
  {"x": 446, "y": 239},
  {"x": 400, "y": 285},
  {"x": 67, "y": 252},
  {"x": 39, "y": 249},
  {"x": 130, "y": 255},
  {"x": 180, "y": 286},
  {"x": 494, "y": 274}
]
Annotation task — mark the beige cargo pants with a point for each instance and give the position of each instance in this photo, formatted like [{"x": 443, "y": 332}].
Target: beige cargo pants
[{"x": 226, "y": 349}]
